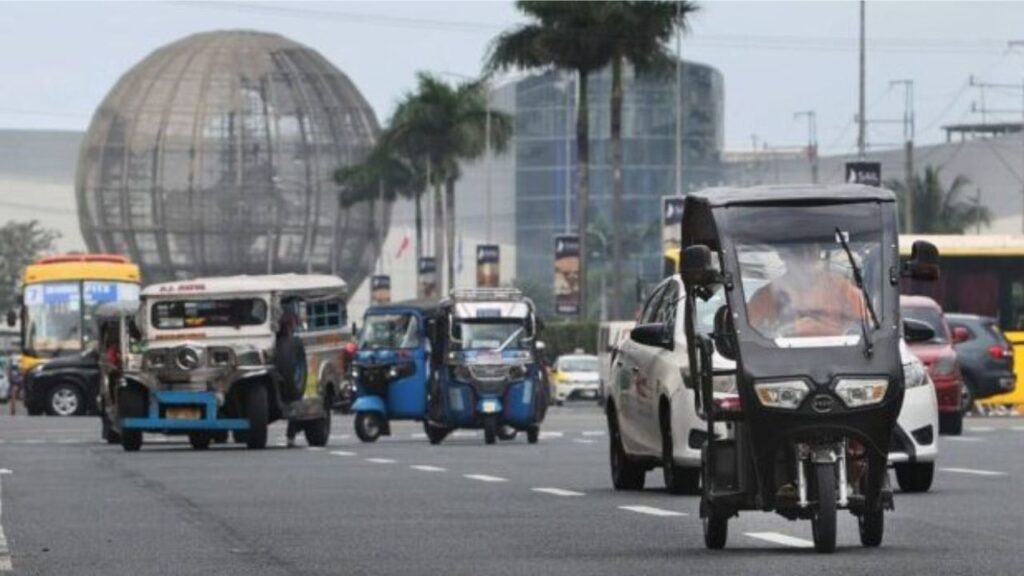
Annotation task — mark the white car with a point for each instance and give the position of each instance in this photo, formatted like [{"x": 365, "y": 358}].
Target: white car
[
  {"x": 653, "y": 420},
  {"x": 575, "y": 377}
]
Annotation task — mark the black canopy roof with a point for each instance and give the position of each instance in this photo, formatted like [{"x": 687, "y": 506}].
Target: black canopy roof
[{"x": 791, "y": 193}]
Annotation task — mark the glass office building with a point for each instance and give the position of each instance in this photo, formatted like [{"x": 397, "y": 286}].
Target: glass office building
[
  {"x": 545, "y": 162},
  {"x": 215, "y": 155}
]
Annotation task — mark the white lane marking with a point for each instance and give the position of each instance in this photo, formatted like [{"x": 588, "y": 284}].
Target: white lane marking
[
  {"x": 1018, "y": 428},
  {"x": 5, "y": 553},
  {"x": 314, "y": 448},
  {"x": 380, "y": 460},
  {"x": 484, "y": 478},
  {"x": 962, "y": 439},
  {"x": 3, "y": 441},
  {"x": 340, "y": 437},
  {"x": 552, "y": 434},
  {"x": 426, "y": 468},
  {"x": 6, "y": 471},
  {"x": 980, "y": 428},
  {"x": 973, "y": 471},
  {"x": 33, "y": 441},
  {"x": 582, "y": 441},
  {"x": 776, "y": 538},
  {"x": 418, "y": 435},
  {"x": 465, "y": 434},
  {"x": 343, "y": 453},
  {"x": 652, "y": 511},
  {"x": 557, "y": 492},
  {"x": 71, "y": 441},
  {"x": 593, "y": 432}
]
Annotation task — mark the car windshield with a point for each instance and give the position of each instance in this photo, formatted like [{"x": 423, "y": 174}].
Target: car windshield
[
  {"x": 491, "y": 333},
  {"x": 183, "y": 314},
  {"x": 60, "y": 316},
  {"x": 931, "y": 317},
  {"x": 587, "y": 364},
  {"x": 798, "y": 281},
  {"x": 389, "y": 331}
]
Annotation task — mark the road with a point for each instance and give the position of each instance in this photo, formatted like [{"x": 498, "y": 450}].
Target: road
[{"x": 70, "y": 504}]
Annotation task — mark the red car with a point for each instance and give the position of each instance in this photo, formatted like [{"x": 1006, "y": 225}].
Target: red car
[{"x": 938, "y": 356}]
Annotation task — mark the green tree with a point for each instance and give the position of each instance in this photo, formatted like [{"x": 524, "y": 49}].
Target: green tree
[
  {"x": 564, "y": 36},
  {"x": 20, "y": 244},
  {"x": 939, "y": 209}
]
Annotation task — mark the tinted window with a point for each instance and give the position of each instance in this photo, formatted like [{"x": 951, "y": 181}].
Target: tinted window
[
  {"x": 931, "y": 317},
  {"x": 650, "y": 312},
  {"x": 324, "y": 315},
  {"x": 178, "y": 314}
]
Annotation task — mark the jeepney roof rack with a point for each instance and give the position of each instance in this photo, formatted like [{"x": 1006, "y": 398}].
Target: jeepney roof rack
[{"x": 486, "y": 294}]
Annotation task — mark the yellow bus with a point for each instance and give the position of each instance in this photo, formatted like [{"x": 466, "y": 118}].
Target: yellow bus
[
  {"x": 980, "y": 275},
  {"x": 59, "y": 296}
]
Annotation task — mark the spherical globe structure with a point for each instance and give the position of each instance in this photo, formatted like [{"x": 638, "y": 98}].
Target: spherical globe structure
[{"x": 215, "y": 156}]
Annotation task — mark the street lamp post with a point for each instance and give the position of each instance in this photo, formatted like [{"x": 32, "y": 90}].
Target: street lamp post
[{"x": 812, "y": 140}]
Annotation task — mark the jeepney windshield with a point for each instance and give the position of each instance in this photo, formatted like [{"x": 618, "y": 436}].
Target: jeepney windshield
[
  {"x": 389, "y": 331},
  {"x": 799, "y": 283},
  {"x": 491, "y": 333},
  {"x": 60, "y": 316},
  {"x": 219, "y": 313}
]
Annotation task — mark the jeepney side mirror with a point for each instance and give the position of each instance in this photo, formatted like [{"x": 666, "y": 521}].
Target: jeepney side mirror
[
  {"x": 923, "y": 263},
  {"x": 915, "y": 331},
  {"x": 12, "y": 318},
  {"x": 454, "y": 330},
  {"x": 725, "y": 333},
  {"x": 698, "y": 268}
]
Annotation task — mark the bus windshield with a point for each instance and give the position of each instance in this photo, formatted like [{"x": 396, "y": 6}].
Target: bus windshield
[{"x": 59, "y": 317}]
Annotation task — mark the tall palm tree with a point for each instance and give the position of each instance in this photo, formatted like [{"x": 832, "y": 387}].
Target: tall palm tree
[
  {"x": 637, "y": 33},
  {"x": 561, "y": 35},
  {"x": 447, "y": 124},
  {"x": 939, "y": 209}
]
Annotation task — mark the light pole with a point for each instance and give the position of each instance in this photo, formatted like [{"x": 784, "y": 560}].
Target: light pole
[
  {"x": 812, "y": 140},
  {"x": 1011, "y": 45},
  {"x": 908, "y": 139}
]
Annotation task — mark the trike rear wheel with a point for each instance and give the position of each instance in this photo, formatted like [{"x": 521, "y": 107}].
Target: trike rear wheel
[
  {"x": 716, "y": 530},
  {"x": 872, "y": 528},
  {"x": 368, "y": 426}
]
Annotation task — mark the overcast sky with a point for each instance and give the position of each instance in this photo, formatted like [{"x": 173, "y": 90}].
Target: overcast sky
[{"x": 57, "y": 61}]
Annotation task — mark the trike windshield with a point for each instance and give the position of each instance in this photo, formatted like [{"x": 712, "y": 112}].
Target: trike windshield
[
  {"x": 799, "y": 268},
  {"x": 491, "y": 334},
  {"x": 389, "y": 331}
]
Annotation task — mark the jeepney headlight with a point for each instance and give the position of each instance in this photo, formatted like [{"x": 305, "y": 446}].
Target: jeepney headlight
[
  {"x": 787, "y": 394},
  {"x": 249, "y": 358},
  {"x": 220, "y": 357},
  {"x": 354, "y": 373},
  {"x": 914, "y": 375},
  {"x": 857, "y": 392},
  {"x": 155, "y": 359}
]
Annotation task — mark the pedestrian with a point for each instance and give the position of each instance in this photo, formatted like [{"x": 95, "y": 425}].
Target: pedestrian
[{"x": 15, "y": 380}]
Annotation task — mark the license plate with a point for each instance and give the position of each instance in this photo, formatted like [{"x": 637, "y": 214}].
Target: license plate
[
  {"x": 183, "y": 413},
  {"x": 490, "y": 407}
]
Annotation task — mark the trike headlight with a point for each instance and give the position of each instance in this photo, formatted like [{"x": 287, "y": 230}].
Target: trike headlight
[
  {"x": 857, "y": 392},
  {"x": 787, "y": 394}
]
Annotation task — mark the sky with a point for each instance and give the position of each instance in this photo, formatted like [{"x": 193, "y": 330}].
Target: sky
[{"x": 58, "y": 60}]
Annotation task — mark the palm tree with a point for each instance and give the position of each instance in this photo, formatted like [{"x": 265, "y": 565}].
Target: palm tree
[
  {"x": 937, "y": 209},
  {"x": 561, "y": 35},
  {"x": 447, "y": 124},
  {"x": 637, "y": 32}
]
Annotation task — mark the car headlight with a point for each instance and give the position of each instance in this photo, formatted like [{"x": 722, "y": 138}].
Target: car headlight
[
  {"x": 914, "y": 375},
  {"x": 787, "y": 394},
  {"x": 861, "y": 391}
]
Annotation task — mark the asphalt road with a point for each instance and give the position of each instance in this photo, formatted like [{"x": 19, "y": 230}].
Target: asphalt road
[{"x": 70, "y": 504}]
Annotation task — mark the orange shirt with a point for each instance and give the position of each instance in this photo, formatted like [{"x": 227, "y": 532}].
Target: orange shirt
[{"x": 820, "y": 304}]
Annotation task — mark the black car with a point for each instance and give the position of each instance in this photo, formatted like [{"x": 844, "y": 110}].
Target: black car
[
  {"x": 985, "y": 355},
  {"x": 63, "y": 386}
]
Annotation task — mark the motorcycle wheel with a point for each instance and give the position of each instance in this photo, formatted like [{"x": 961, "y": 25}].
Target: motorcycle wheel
[{"x": 823, "y": 525}]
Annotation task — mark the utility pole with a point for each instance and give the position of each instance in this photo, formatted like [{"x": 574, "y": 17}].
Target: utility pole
[
  {"x": 983, "y": 111},
  {"x": 679, "y": 99},
  {"x": 861, "y": 121},
  {"x": 908, "y": 139},
  {"x": 977, "y": 206},
  {"x": 812, "y": 140}
]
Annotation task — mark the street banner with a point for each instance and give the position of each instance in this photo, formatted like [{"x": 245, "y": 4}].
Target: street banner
[
  {"x": 380, "y": 289},
  {"x": 426, "y": 275},
  {"x": 488, "y": 260},
  {"x": 868, "y": 173},
  {"x": 671, "y": 222},
  {"x": 567, "y": 274}
]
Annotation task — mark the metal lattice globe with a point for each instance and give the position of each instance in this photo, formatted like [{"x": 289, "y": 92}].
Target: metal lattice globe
[{"x": 215, "y": 156}]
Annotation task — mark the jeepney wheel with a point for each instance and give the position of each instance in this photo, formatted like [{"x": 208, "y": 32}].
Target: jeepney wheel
[
  {"x": 490, "y": 429},
  {"x": 716, "y": 530},
  {"x": 436, "y": 434},
  {"x": 368, "y": 426},
  {"x": 507, "y": 433},
  {"x": 220, "y": 436},
  {"x": 200, "y": 440},
  {"x": 872, "y": 528},
  {"x": 290, "y": 362},
  {"x": 823, "y": 525},
  {"x": 131, "y": 403},
  {"x": 533, "y": 434},
  {"x": 256, "y": 412},
  {"x": 239, "y": 436}
]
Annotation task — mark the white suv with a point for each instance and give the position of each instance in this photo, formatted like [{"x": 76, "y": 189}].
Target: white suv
[{"x": 653, "y": 421}]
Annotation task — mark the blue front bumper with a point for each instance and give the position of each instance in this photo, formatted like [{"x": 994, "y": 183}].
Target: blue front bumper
[{"x": 206, "y": 401}]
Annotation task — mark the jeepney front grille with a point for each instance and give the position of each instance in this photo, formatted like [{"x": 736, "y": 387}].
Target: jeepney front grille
[{"x": 489, "y": 372}]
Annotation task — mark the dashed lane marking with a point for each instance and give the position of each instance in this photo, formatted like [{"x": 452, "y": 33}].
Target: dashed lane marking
[
  {"x": 593, "y": 432},
  {"x": 343, "y": 453},
  {"x": 961, "y": 439},
  {"x": 551, "y": 434},
  {"x": 582, "y": 440},
  {"x": 652, "y": 511},
  {"x": 426, "y": 468},
  {"x": 418, "y": 435},
  {"x": 783, "y": 539},
  {"x": 980, "y": 428},
  {"x": 557, "y": 492},
  {"x": 380, "y": 460},
  {"x": 485, "y": 478},
  {"x": 973, "y": 471},
  {"x": 314, "y": 448},
  {"x": 5, "y": 553},
  {"x": 1018, "y": 428}
]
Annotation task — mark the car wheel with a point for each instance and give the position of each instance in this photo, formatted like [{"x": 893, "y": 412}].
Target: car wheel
[
  {"x": 915, "y": 476},
  {"x": 951, "y": 423},
  {"x": 967, "y": 399},
  {"x": 626, "y": 475},
  {"x": 256, "y": 411},
  {"x": 220, "y": 436},
  {"x": 368, "y": 426},
  {"x": 678, "y": 479},
  {"x": 65, "y": 399}
]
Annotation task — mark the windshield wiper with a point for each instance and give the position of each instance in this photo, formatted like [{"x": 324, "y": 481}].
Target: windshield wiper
[
  {"x": 509, "y": 340},
  {"x": 858, "y": 279}
]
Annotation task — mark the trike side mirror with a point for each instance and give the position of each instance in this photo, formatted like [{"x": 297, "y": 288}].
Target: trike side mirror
[
  {"x": 923, "y": 263},
  {"x": 655, "y": 334},
  {"x": 698, "y": 267},
  {"x": 915, "y": 331}
]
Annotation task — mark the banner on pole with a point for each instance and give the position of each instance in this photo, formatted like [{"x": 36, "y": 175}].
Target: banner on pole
[
  {"x": 426, "y": 277},
  {"x": 567, "y": 274},
  {"x": 672, "y": 222},
  {"x": 488, "y": 264},
  {"x": 380, "y": 289},
  {"x": 868, "y": 173}
]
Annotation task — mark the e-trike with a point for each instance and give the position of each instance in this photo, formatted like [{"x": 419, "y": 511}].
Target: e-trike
[{"x": 811, "y": 319}]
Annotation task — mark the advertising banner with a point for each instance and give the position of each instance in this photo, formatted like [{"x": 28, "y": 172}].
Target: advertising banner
[
  {"x": 671, "y": 222},
  {"x": 426, "y": 275},
  {"x": 380, "y": 289},
  {"x": 488, "y": 265},
  {"x": 868, "y": 173},
  {"x": 567, "y": 274}
]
